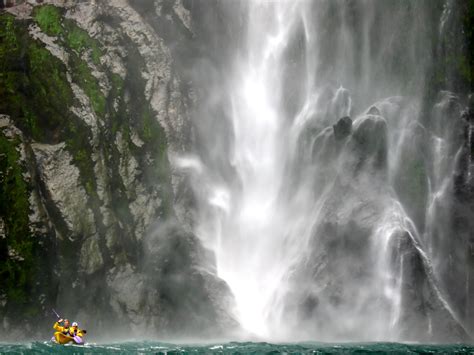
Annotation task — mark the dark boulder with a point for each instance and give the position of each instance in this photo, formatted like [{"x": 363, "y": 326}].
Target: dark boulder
[
  {"x": 370, "y": 140},
  {"x": 342, "y": 128}
]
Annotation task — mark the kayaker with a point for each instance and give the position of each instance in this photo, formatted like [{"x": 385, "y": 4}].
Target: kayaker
[
  {"x": 65, "y": 329},
  {"x": 75, "y": 331}
]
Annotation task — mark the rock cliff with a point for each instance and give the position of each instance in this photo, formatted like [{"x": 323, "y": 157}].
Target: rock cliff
[{"x": 93, "y": 219}]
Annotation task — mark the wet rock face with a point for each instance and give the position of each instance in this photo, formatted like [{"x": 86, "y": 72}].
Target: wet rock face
[
  {"x": 421, "y": 296},
  {"x": 180, "y": 273},
  {"x": 61, "y": 181},
  {"x": 342, "y": 128},
  {"x": 362, "y": 255},
  {"x": 462, "y": 220},
  {"x": 98, "y": 103},
  {"x": 340, "y": 269},
  {"x": 370, "y": 138}
]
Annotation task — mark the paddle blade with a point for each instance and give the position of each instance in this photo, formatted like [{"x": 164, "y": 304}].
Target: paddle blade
[{"x": 78, "y": 340}]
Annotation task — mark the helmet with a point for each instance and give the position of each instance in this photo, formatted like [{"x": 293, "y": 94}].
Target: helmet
[{"x": 74, "y": 324}]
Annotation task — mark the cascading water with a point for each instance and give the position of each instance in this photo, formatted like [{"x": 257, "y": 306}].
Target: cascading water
[
  {"x": 323, "y": 228},
  {"x": 250, "y": 244}
]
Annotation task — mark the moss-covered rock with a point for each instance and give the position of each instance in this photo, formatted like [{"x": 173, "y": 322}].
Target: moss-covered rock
[
  {"x": 38, "y": 96},
  {"x": 81, "y": 75},
  {"x": 77, "y": 41},
  {"x": 33, "y": 84},
  {"x": 85, "y": 103},
  {"x": 49, "y": 18},
  {"x": 16, "y": 248},
  {"x": 52, "y": 22}
]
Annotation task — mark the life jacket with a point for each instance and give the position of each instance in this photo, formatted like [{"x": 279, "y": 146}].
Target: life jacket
[{"x": 62, "y": 330}]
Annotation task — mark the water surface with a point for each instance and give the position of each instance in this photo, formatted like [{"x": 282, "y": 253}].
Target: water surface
[{"x": 236, "y": 348}]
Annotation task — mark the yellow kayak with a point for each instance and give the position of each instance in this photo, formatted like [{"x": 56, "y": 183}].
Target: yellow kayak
[{"x": 61, "y": 338}]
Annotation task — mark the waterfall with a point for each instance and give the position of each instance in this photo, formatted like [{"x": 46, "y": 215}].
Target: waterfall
[{"x": 322, "y": 226}]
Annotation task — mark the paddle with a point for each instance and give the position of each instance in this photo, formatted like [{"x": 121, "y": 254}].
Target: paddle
[{"x": 56, "y": 313}]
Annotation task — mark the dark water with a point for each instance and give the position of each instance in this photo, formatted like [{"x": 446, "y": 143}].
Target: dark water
[{"x": 235, "y": 348}]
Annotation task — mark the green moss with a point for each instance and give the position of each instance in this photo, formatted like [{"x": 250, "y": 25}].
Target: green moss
[
  {"x": 456, "y": 65},
  {"x": 147, "y": 126},
  {"x": 78, "y": 145},
  {"x": 49, "y": 19},
  {"x": 79, "y": 40},
  {"x": 90, "y": 188},
  {"x": 155, "y": 141},
  {"x": 82, "y": 75},
  {"x": 16, "y": 275},
  {"x": 14, "y": 188},
  {"x": 117, "y": 86},
  {"x": 33, "y": 83},
  {"x": 466, "y": 63},
  {"x": 36, "y": 93},
  {"x": 137, "y": 115},
  {"x": 74, "y": 131},
  {"x": 8, "y": 36},
  {"x": 453, "y": 65}
]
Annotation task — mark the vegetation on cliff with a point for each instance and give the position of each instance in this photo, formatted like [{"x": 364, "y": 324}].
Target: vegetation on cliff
[
  {"x": 16, "y": 251},
  {"x": 36, "y": 90}
]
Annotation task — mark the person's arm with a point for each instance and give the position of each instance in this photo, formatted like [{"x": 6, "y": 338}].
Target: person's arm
[{"x": 57, "y": 327}]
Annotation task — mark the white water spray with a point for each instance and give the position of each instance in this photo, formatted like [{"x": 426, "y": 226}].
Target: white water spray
[{"x": 307, "y": 228}]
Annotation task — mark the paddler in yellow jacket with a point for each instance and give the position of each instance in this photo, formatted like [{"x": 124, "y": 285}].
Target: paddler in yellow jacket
[
  {"x": 62, "y": 334},
  {"x": 62, "y": 329}
]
